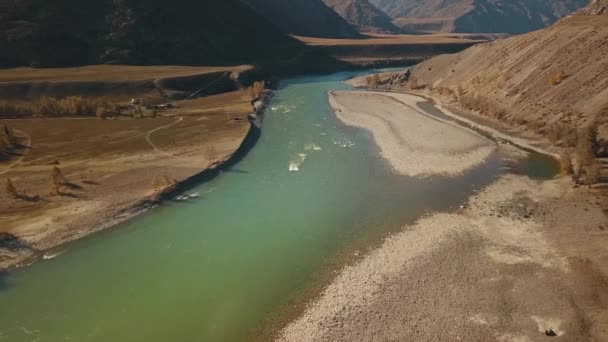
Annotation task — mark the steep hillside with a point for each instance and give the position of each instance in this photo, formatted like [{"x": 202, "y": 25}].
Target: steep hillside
[
  {"x": 311, "y": 18},
  {"x": 477, "y": 16},
  {"x": 187, "y": 32},
  {"x": 363, "y": 15},
  {"x": 551, "y": 81}
]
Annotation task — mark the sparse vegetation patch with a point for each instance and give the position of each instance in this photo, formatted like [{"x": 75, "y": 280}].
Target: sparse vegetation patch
[
  {"x": 558, "y": 77},
  {"x": 256, "y": 90}
]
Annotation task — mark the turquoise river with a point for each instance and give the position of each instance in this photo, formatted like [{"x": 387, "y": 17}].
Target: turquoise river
[{"x": 265, "y": 231}]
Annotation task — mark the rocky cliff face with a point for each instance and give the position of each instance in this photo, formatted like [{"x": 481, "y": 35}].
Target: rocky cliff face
[
  {"x": 478, "y": 16},
  {"x": 363, "y": 15},
  {"x": 552, "y": 81},
  {"x": 310, "y": 18}
]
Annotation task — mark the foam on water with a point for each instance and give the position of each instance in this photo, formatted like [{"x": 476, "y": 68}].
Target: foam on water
[
  {"x": 296, "y": 162},
  {"x": 313, "y": 147}
]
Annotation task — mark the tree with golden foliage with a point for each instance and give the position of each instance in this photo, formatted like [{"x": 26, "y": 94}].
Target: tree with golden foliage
[
  {"x": 58, "y": 180},
  {"x": 7, "y": 139},
  {"x": 10, "y": 135},
  {"x": 10, "y": 188},
  {"x": 256, "y": 90},
  {"x": 565, "y": 164},
  {"x": 4, "y": 143},
  {"x": 592, "y": 173},
  {"x": 588, "y": 167}
]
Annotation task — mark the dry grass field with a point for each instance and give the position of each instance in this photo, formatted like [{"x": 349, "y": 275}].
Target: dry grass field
[
  {"x": 104, "y": 73},
  {"x": 110, "y": 167},
  {"x": 386, "y": 48},
  {"x": 395, "y": 39},
  {"x": 115, "y": 82}
]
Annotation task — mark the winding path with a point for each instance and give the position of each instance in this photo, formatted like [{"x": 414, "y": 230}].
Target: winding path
[{"x": 149, "y": 136}]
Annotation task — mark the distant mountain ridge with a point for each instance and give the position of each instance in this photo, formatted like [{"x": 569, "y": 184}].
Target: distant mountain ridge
[
  {"x": 310, "y": 18},
  {"x": 363, "y": 15},
  {"x": 477, "y": 16},
  {"x": 187, "y": 32}
]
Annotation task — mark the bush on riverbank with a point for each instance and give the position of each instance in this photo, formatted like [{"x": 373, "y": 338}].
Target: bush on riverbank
[
  {"x": 72, "y": 106},
  {"x": 256, "y": 90},
  {"x": 581, "y": 162}
]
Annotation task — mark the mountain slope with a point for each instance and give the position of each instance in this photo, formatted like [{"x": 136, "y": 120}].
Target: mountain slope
[
  {"x": 310, "y": 18},
  {"x": 477, "y": 16},
  {"x": 552, "y": 81},
  {"x": 187, "y": 32},
  {"x": 363, "y": 15}
]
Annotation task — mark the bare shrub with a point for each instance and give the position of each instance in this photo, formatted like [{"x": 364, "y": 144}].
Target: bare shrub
[
  {"x": 459, "y": 93},
  {"x": 473, "y": 102},
  {"x": 101, "y": 112},
  {"x": 443, "y": 91},
  {"x": 373, "y": 81},
  {"x": 211, "y": 154},
  {"x": 476, "y": 81},
  {"x": 162, "y": 182},
  {"x": 58, "y": 180},
  {"x": 558, "y": 77},
  {"x": 11, "y": 109},
  {"x": 48, "y": 106},
  {"x": 561, "y": 135},
  {"x": 412, "y": 83},
  {"x": 495, "y": 111}
]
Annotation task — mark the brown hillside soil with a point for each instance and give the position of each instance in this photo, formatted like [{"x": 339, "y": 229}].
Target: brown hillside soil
[
  {"x": 114, "y": 168},
  {"x": 550, "y": 82}
]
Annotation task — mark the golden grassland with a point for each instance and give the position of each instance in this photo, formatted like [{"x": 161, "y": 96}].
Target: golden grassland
[
  {"x": 82, "y": 160},
  {"x": 106, "y": 73},
  {"x": 388, "y": 39}
]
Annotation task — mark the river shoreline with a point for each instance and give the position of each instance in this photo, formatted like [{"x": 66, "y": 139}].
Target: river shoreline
[
  {"x": 95, "y": 220},
  {"x": 414, "y": 144},
  {"x": 468, "y": 274}
]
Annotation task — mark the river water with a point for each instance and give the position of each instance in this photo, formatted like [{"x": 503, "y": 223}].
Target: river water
[{"x": 259, "y": 235}]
